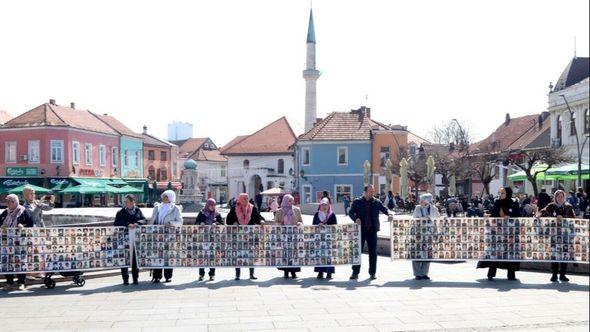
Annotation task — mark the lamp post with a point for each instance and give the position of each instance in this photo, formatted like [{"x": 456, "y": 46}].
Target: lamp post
[{"x": 579, "y": 148}]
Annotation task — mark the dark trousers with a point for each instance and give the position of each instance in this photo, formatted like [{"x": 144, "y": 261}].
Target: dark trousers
[
  {"x": 157, "y": 274},
  {"x": 371, "y": 238},
  {"x": 346, "y": 208},
  {"x": 559, "y": 267},
  {"x": 202, "y": 272},
  {"x": 20, "y": 279},
  {"x": 134, "y": 269},
  {"x": 511, "y": 272},
  {"x": 238, "y": 271}
]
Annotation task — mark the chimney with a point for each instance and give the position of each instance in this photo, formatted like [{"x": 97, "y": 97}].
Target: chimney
[
  {"x": 145, "y": 129},
  {"x": 367, "y": 111},
  {"x": 317, "y": 120},
  {"x": 542, "y": 118},
  {"x": 73, "y": 105},
  {"x": 507, "y": 121},
  {"x": 52, "y": 102}
]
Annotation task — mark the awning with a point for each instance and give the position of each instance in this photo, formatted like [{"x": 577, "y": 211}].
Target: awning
[
  {"x": 521, "y": 176},
  {"x": 174, "y": 184},
  {"x": 569, "y": 169},
  {"x": 128, "y": 190},
  {"x": 96, "y": 182},
  {"x": 7, "y": 183},
  {"x": 85, "y": 189},
  {"x": 19, "y": 190},
  {"x": 273, "y": 192},
  {"x": 58, "y": 184}
]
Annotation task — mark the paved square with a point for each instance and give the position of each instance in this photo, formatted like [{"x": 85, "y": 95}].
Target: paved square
[{"x": 459, "y": 297}]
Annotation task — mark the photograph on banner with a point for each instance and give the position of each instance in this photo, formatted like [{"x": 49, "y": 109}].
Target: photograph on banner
[
  {"x": 247, "y": 246},
  {"x": 493, "y": 239},
  {"x": 25, "y": 250}
]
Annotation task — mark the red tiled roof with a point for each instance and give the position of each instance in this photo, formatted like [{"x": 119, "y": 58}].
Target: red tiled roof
[
  {"x": 4, "y": 117},
  {"x": 191, "y": 145},
  {"x": 49, "y": 115},
  {"x": 506, "y": 134},
  {"x": 353, "y": 125},
  {"x": 277, "y": 137},
  {"x": 535, "y": 137},
  {"x": 117, "y": 125},
  {"x": 208, "y": 155}
]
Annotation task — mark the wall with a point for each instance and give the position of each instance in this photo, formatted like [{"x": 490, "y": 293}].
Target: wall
[
  {"x": 133, "y": 170},
  {"x": 264, "y": 166},
  {"x": 157, "y": 163}
]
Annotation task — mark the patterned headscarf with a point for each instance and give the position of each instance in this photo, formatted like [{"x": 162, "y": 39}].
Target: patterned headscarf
[
  {"x": 244, "y": 209},
  {"x": 323, "y": 216},
  {"x": 207, "y": 211},
  {"x": 287, "y": 208}
]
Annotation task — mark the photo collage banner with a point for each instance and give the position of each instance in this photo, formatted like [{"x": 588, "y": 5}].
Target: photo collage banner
[
  {"x": 490, "y": 239},
  {"x": 62, "y": 249},
  {"x": 247, "y": 246}
]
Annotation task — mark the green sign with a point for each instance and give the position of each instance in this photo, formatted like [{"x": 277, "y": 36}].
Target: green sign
[{"x": 21, "y": 171}]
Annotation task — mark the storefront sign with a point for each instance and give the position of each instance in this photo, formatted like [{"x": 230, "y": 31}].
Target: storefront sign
[{"x": 21, "y": 171}]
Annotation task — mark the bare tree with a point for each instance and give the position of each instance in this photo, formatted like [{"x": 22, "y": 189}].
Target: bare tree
[
  {"x": 451, "y": 133},
  {"x": 536, "y": 161},
  {"x": 483, "y": 167}
]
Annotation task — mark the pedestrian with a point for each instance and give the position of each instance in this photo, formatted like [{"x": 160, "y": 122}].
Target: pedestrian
[
  {"x": 274, "y": 206},
  {"x": 326, "y": 194},
  {"x": 130, "y": 217},
  {"x": 559, "y": 208},
  {"x": 209, "y": 216},
  {"x": 365, "y": 212},
  {"x": 504, "y": 207},
  {"x": 168, "y": 214},
  {"x": 572, "y": 199},
  {"x": 36, "y": 207},
  {"x": 289, "y": 215},
  {"x": 346, "y": 202},
  {"x": 244, "y": 214},
  {"x": 425, "y": 210},
  {"x": 390, "y": 200},
  {"x": 15, "y": 216},
  {"x": 324, "y": 216},
  {"x": 582, "y": 201},
  {"x": 543, "y": 200}
]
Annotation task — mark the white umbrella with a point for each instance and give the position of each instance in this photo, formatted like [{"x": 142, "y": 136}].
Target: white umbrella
[
  {"x": 273, "y": 192},
  {"x": 403, "y": 172},
  {"x": 430, "y": 174}
]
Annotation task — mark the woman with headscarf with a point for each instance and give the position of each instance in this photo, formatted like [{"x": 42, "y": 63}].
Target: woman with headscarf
[
  {"x": 130, "y": 216},
  {"x": 15, "y": 216},
  {"x": 208, "y": 216},
  {"x": 244, "y": 213},
  {"x": 559, "y": 208},
  {"x": 167, "y": 214},
  {"x": 289, "y": 215},
  {"x": 424, "y": 210},
  {"x": 324, "y": 216},
  {"x": 504, "y": 207}
]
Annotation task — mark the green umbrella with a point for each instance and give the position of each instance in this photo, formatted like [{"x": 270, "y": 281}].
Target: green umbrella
[
  {"x": 129, "y": 190},
  {"x": 37, "y": 189},
  {"x": 85, "y": 189}
]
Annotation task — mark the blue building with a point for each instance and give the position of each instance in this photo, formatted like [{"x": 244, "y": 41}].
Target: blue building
[{"x": 332, "y": 154}]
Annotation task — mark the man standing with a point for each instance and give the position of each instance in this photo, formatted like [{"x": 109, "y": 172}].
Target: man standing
[
  {"x": 543, "y": 200},
  {"x": 346, "y": 201},
  {"x": 365, "y": 212},
  {"x": 36, "y": 207}
]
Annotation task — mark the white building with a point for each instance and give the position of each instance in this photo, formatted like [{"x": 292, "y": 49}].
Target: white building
[
  {"x": 179, "y": 131},
  {"x": 262, "y": 160}
]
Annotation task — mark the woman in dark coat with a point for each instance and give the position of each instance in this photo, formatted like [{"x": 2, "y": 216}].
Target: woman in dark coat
[
  {"x": 208, "y": 216},
  {"x": 325, "y": 216},
  {"x": 15, "y": 216},
  {"x": 504, "y": 207},
  {"x": 130, "y": 216},
  {"x": 244, "y": 214}
]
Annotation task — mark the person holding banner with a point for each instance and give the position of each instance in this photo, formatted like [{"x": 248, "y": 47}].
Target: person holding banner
[
  {"x": 244, "y": 213},
  {"x": 325, "y": 216},
  {"x": 130, "y": 216},
  {"x": 559, "y": 208},
  {"x": 209, "y": 216},
  {"x": 365, "y": 212},
  {"x": 504, "y": 207},
  {"x": 289, "y": 215},
  {"x": 15, "y": 216},
  {"x": 424, "y": 210},
  {"x": 167, "y": 213}
]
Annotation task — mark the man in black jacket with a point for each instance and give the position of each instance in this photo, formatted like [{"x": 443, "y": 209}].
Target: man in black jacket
[
  {"x": 544, "y": 199},
  {"x": 365, "y": 212},
  {"x": 130, "y": 216}
]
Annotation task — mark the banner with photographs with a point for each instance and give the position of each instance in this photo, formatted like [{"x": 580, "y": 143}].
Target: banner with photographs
[
  {"x": 490, "y": 239},
  {"x": 63, "y": 249},
  {"x": 247, "y": 246}
]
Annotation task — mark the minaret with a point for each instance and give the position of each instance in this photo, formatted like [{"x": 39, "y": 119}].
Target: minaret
[{"x": 310, "y": 74}]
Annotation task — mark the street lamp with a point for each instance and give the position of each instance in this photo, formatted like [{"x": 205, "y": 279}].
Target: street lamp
[{"x": 579, "y": 148}]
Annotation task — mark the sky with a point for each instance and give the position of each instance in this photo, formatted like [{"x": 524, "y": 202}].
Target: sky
[{"x": 232, "y": 66}]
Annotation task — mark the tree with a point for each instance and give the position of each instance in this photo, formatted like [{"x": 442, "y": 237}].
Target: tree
[
  {"x": 483, "y": 168},
  {"x": 536, "y": 161},
  {"x": 451, "y": 133}
]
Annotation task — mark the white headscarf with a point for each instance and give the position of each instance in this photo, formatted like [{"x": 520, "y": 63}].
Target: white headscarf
[
  {"x": 166, "y": 207},
  {"x": 13, "y": 215}
]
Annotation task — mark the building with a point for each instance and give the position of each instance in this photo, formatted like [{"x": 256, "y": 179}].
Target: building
[
  {"x": 4, "y": 117},
  {"x": 179, "y": 131},
  {"x": 56, "y": 147},
  {"x": 261, "y": 160},
  {"x": 160, "y": 162},
  {"x": 211, "y": 166}
]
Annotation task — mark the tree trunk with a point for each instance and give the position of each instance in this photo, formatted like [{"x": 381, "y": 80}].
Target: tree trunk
[{"x": 533, "y": 182}]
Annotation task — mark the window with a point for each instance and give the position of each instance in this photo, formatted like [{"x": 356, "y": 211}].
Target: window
[
  {"x": 342, "y": 155},
  {"x": 10, "y": 154},
  {"x": 281, "y": 166},
  {"x": 306, "y": 194},
  {"x": 102, "y": 155},
  {"x": 126, "y": 158},
  {"x": 572, "y": 123},
  {"x": 246, "y": 164},
  {"x": 305, "y": 159},
  {"x": 270, "y": 184},
  {"x": 586, "y": 121},
  {"x": 412, "y": 149},
  {"x": 222, "y": 171},
  {"x": 559, "y": 126},
  {"x": 384, "y": 154},
  {"x": 163, "y": 175},
  {"x": 151, "y": 155},
  {"x": 57, "y": 151},
  {"x": 137, "y": 158},
  {"x": 341, "y": 190},
  {"x": 114, "y": 157},
  {"x": 88, "y": 153},
  {"x": 33, "y": 155},
  {"x": 163, "y": 156},
  {"x": 76, "y": 153},
  {"x": 152, "y": 173}
]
